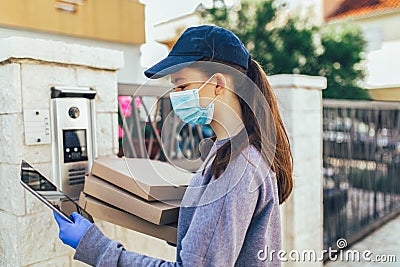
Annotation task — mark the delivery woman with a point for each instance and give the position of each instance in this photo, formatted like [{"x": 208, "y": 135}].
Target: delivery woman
[{"x": 229, "y": 215}]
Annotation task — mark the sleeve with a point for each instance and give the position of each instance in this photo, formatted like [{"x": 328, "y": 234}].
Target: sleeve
[
  {"x": 214, "y": 238},
  {"x": 98, "y": 250}
]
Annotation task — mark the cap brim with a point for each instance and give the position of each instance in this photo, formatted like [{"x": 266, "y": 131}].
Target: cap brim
[{"x": 169, "y": 65}]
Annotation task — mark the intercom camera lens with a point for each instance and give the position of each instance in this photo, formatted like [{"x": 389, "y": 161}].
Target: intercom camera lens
[{"x": 74, "y": 112}]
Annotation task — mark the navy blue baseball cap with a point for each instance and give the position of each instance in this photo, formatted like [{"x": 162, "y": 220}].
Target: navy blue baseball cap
[{"x": 198, "y": 42}]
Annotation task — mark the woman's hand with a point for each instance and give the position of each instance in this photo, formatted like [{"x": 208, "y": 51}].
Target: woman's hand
[{"x": 71, "y": 233}]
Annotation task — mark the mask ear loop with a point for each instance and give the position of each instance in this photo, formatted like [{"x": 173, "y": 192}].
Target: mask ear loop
[{"x": 204, "y": 84}]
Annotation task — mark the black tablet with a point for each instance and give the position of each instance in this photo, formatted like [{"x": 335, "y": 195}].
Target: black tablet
[{"x": 49, "y": 194}]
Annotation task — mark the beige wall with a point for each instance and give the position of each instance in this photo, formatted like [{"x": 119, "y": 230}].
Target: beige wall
[
  {"x": 385, "y": 94},
  {"x": 119, "y": 21}
]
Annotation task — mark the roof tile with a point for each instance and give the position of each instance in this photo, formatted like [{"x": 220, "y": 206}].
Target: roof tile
[{"x": 349, "y": 8}]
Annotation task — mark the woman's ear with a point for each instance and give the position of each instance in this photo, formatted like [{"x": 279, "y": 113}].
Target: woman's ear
[{"x": 221, "y": 83}]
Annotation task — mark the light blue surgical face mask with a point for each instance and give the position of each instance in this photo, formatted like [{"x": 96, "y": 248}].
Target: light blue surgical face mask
[{"x": 186, "y": 105}]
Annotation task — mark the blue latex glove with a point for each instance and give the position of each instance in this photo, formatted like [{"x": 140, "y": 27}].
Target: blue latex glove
[{"x": 71, "y": 233}]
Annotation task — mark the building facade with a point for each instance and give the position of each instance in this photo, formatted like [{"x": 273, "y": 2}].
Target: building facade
[
  {"x": 116, "y": 25},
  {"x": 379, "y": 21}
]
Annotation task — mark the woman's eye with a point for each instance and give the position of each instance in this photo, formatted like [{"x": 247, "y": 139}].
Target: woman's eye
[{"x": 182, "y": 87}]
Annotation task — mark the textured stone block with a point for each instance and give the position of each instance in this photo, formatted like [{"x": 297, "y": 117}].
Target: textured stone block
[
  {"x": 297, "y": 81},
  {"x": 32, "y": 204},
  {"x": 13, "y": 200},
  {"x": 305, "y": 148},
  {"x": 104, "y": 134},
  {"x": 307, "y": 219},
  {"x": 106, "y": 85},
  {"x": 75, "y": 263},
  {"x": 310, "y": 241},
  {"x": 11, "y": 137},
  {"x": 308, "y": 172},
  {"x": 306, "y": 123},
  {"x": 10, "y": 89},
  {"x": 115, "y": 133},
  {"x": 141, "y": 243},
  {"x": 38, "y": 238},
  {"x": 9, "y": 249},
  {"x": 60, "y": 52},
  {"x": 298, "y": 99},
  {"x": 12, "y": 143},
  {"x": 37, "y": 80},
  {"x": 59, "y": 262},
  {"x": 107, "y": 228}
]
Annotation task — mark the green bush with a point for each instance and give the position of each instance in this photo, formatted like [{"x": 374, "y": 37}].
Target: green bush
[{"x": 297, "y": 46}]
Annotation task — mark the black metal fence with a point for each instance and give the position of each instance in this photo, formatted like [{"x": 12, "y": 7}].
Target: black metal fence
[{"x": 361, "y": 163}]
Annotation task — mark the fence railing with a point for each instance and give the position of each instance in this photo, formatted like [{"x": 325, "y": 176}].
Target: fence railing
[{"x": 361, "y": 164}]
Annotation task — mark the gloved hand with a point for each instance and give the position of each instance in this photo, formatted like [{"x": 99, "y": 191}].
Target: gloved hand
[{"x": 72, "y": 233}]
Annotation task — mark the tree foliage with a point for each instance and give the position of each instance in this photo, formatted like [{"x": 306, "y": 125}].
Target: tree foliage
[{"x": 291, "y": 44}]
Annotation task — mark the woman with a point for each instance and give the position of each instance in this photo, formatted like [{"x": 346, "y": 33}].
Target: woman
[{"x": 229, "y": 215}]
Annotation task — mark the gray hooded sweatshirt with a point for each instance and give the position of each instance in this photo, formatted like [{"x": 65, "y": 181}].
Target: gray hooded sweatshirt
[{"x": 230, "y": 221}]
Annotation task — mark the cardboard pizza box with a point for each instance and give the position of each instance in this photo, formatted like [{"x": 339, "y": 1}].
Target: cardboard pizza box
[
  {"x": 156, "y": 212},
  {"x": 149, "y": 179},
  {"x": 105, "y": 212}
]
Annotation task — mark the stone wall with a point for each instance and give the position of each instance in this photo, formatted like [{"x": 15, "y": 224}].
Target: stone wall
[{"x": 28, "y": 68}]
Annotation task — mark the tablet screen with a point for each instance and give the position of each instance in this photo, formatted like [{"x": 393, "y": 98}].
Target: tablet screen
[{"x": 48, "y": 193}]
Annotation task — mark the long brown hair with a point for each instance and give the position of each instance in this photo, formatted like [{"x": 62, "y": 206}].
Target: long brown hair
[{"x": 269, "y": 138}]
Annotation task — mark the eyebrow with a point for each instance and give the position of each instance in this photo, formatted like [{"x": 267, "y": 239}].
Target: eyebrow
[{"x": 174, "y": 82}]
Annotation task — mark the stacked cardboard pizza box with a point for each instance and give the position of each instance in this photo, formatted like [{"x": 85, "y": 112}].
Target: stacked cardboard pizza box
[{"x": 139, "y": 194}]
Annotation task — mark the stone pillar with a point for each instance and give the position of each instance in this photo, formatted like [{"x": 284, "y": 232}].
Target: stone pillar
[
  {"x": 28, "y": 68},
  {"x": 300, "y": 103}
]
